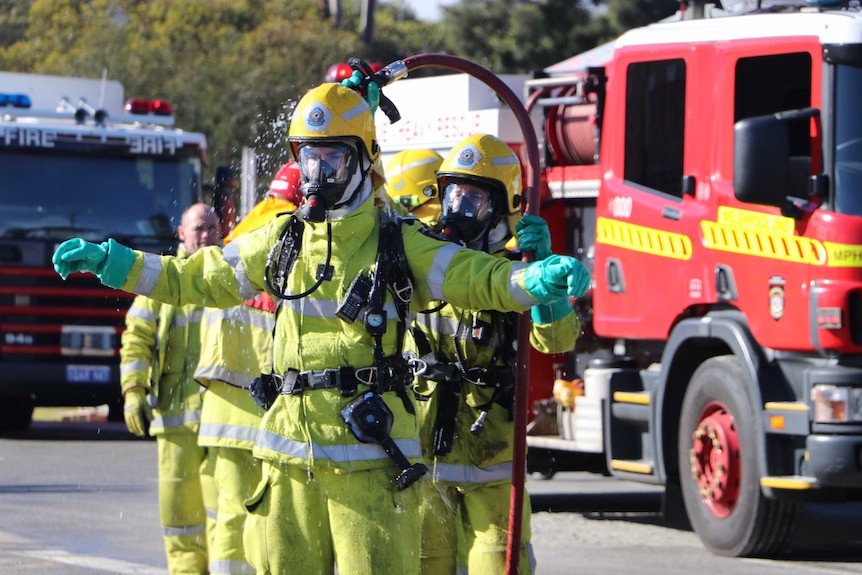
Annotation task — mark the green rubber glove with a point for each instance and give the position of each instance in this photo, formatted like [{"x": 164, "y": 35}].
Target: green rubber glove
[
  {"x": 136, "y": 411},
  {"x": 551, "y": 312},
  {"x": 555, "y": 278},
  {"x": 109, "y": 261},
  {"x": 534, "y": 236},
  {"x": 354, "y": 81},
  {"x": 372, "y": 95}
]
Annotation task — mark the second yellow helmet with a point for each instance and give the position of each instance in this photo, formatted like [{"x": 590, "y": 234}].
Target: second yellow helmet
[
  {"x": 486, "y": 160},
  {"x": 411, "y": 180}
]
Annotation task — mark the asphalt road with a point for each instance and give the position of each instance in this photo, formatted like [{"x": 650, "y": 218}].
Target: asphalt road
[{"x": 80, "y": 499}]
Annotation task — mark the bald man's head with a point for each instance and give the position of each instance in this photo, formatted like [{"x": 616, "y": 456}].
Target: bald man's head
[{"x": 199, "y": 227}]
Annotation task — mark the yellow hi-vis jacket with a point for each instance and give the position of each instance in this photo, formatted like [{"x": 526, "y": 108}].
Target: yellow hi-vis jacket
[
  {"x": 159, "y": 352},
  {"x": 236, "y": 347},
  {"x": 485, "y": 458},
  {"x": 307, "y": 429}
]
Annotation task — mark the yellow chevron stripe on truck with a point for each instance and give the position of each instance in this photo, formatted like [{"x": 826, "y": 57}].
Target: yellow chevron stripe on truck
[
  {"x": 736, "y": 231},
  {"x": 642, "y": 239},
  {"x": 763, "y": 235},
  {"x": 746, "y": 241}
]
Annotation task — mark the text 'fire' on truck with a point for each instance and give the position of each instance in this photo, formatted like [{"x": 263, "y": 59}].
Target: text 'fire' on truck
[
  {"x": 708, "y": 170},
  {"x": 78, "y": 160}
]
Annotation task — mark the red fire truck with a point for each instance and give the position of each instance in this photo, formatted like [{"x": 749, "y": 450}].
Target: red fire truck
[
  {"x": 709, "y": 173},
  {"x": 707, "y": 170},
  {"x": 78, "y": 160}
]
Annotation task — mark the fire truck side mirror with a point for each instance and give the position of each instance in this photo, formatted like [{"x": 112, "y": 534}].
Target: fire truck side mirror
[{"x": 772, "y": 157}]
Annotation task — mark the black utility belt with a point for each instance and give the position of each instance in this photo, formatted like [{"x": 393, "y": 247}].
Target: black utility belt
[
  {"x": 346, "y": 379},
  {"x": 499, "y": 376}
]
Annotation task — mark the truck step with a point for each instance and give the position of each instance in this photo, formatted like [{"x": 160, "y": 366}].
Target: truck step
[
  {"x": 632, "y": 407},
  {"x": 633, "y": 397},
  {"x": 791, "y": 482},
  {"x": 639, "y": 466}
]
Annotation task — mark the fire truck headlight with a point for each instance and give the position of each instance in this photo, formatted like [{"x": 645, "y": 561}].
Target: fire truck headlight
[{"x": 836, "y": 404}]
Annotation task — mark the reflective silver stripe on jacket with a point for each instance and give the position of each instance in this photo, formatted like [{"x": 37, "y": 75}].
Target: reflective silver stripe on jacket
[
  {"x": 219, "y": 373},
  {"x": 242, "y": 314},
  {"x": 326, "y": 308},
  {"x": 336, "y": 453},
  {"x": 198, "y": 529},
  {"x": 176, "y": 421},
  {"x": 230, "y": 255},
  {"x": 515, "y": 290},
  {"x": 149, "y": 275},
  {"x": 470, "y": 473},
  {"x": 230, "y": 567},
  {"x": 137, "y": 365},
  {"x": 143, "y": 313},
  {"x": 224, "y": 431},
  {"x": 439, "y": 324},
  {"x": 437, "y": 273},
  {"x": 183, "y": 320}
]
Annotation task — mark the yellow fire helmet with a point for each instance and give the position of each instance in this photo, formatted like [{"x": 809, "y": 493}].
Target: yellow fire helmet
[
  {"x": 332, "y": 113},
  {"x": 411, "y": 180},
  {"x": 488, "y": 162}
]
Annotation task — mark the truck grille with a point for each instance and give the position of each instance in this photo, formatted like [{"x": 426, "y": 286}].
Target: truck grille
[{"x": 43, "y": 318}]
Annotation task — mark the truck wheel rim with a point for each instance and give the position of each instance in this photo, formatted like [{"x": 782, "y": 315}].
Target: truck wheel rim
[{"x": 715, "y": 462}]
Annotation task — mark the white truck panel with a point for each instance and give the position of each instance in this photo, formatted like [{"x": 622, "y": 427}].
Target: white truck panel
[
  {"x": 45, "y": 91},
  {"x": 438, "y": 112}
]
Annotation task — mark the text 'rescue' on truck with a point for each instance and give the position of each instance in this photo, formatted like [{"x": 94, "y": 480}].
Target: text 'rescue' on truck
[
  {"x": 708, "y": 170},
  {"x": 78, "y": 161}
]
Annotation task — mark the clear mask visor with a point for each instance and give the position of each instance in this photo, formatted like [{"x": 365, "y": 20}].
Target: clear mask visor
[
  {"x": 327, "y": 164},
  {"x": 467, "y": 200}
]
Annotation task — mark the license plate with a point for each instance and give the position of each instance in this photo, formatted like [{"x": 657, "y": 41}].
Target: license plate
[{"x": 88, "y": 374}]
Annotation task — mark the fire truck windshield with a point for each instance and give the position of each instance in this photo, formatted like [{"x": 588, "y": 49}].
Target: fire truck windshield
[
  {"x": 54, "y": 196},
  {"x": 848, "y": 140}
]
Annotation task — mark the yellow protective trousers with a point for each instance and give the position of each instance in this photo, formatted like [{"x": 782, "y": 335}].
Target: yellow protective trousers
[
  {"x": 471, "y": 521},
  {"x": 310, "y": 519},
  {"x": 210, "y": 493},
  {"x": 181, "y": 502},
  {"x": 237, "y": 473}
]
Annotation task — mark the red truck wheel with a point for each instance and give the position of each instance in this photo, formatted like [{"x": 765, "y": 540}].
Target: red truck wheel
[
  {"x": 714, "y": 459},
  {"x": 719, "y": 473}
]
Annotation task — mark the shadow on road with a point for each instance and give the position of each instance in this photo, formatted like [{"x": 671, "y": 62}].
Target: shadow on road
[
  {"x": 74, "y": 431},
  {"x": 822, "y": 532},
  {"x": 629, "y": 501}
]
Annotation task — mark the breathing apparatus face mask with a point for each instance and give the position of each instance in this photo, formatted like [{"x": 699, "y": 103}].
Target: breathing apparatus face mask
[
  {"x": 328, "y": 177},
  {"x": 467, "y": 212}
]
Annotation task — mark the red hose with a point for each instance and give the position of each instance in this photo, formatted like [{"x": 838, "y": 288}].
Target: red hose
[{"x": 531, "y": 200}]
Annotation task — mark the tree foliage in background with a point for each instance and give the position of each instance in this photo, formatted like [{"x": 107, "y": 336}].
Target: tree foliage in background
[
  {"x": 501, "y": 35},
  {"x": 234, "y": 68}
]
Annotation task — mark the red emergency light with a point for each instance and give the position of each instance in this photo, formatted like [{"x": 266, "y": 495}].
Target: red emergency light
[
  {"x": 339, "y": 72},
  {"x": 156, "y": 107}
]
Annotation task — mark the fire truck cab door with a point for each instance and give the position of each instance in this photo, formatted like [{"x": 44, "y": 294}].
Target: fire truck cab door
[{"x": 641, "y": 235}]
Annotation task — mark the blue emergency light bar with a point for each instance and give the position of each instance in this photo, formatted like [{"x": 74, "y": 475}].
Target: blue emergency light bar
[{"x": 15, "y": 100}]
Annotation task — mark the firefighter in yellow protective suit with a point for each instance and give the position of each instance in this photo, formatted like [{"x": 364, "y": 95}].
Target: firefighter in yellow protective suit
[
  {"x": 466, "y": 392},
  {"x": 340, "y": 440},
  {"x": 236, "y": 347},
  {"x": 158, "y": 357}
]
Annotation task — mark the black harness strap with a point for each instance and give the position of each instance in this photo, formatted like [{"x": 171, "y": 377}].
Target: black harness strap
[{"x": 392, "y": 274}]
